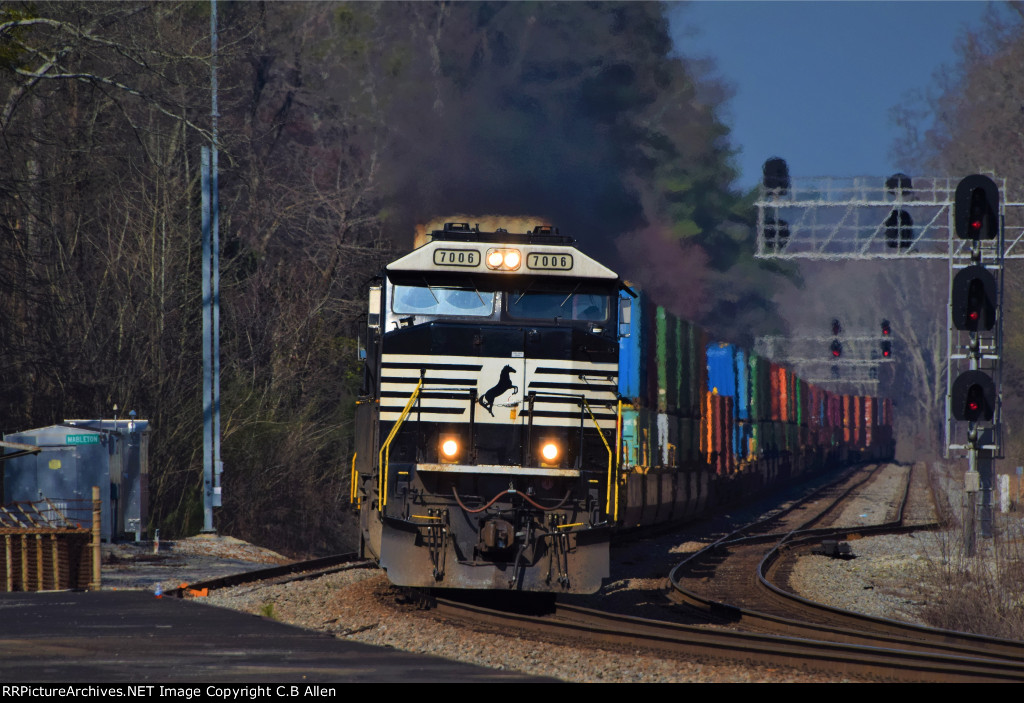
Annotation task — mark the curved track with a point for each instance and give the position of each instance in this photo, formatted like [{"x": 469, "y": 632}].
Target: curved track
[
  {"x": 734, "y": 581},
  {"x": 622, "y": 632},
  {"x": 796, "y": 633}
]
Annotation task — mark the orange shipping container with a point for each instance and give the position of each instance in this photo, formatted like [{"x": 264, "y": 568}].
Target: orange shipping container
[
  {"x": 848, "y": 414},
  {"x": 869, "y": 421}
]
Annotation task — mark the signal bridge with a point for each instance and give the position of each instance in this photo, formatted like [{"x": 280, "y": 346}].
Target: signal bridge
[
  {"x": 871, "y": 218},
  {"x": 856, "y": 351},
  {"x": 862, "y": 376},
  {"x": 965, "y": 221},
  {"x": 813, "y": 359}
]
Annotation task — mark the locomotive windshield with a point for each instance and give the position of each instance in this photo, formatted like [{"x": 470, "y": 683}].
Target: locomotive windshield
[
  {"x": 567, "y": 305},
  {"x": 439, "y": 300},
  {"x": 537, "y": 299}
]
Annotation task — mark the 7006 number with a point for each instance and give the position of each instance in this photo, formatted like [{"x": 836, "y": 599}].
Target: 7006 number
[
  {"x": 551, "y": 262},
  {"x": 456, "y": 257}
]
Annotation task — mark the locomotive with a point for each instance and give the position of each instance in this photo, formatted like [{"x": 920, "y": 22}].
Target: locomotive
[{"x": 521, "y": 402}]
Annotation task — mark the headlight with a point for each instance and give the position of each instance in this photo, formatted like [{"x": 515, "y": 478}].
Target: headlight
[
  {"x": 549, "y": 452},
  {"x": 449, "y": 449},
  {"x": 504, "y": 259}
]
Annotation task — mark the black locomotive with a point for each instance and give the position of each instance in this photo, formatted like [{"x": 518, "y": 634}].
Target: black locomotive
[{"x": 497, "y": 446}]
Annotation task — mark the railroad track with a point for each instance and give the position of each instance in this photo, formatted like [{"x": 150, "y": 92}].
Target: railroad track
[
  {"x": 743, "y": 571},
  {"x": 834, "y": 641},
  {"x": 770, "y": 639},
  {"x": 724, "y": 575},
  {"x": 573, "y": 624},
  {"x": 296, "y": 571}
]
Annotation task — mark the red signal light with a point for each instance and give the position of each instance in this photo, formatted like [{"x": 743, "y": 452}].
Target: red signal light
[
  {"x": 974, "y": 299},
  {"x": 976, "y": 208},
  {"x": 974, "y": 397}
]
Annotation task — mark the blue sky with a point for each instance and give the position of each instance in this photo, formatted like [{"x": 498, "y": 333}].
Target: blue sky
[{"x": 815, "y": 81}]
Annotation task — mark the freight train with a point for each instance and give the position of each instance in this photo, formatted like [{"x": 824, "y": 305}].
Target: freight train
[{"x": 521, "y": 403}]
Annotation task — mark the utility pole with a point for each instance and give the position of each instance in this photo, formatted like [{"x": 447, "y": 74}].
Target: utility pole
[{"x": 212, "y": 464}]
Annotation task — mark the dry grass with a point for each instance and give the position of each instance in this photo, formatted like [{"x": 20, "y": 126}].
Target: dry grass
[{"x": 981, "y": 593}]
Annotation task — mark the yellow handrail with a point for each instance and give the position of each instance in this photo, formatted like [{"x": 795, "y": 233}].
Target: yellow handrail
[
  {"x": 385, "y": 450},
  {"x": 618, "y": 461},
  {"x": 352, "y": 480},
  {"x": 608, "y": 505}
]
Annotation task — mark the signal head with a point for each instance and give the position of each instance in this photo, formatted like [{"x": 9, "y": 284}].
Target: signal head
[
  {"x": 973, "y": 397},
  {"x": 976, "y": 208},
  {"x": 974, "y": 299},
  {"x": 899, "y": 229},
  {"x": 775, "y": 175}
]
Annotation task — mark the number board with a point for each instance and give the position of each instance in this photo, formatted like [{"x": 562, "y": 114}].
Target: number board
[
  {"x": 456, "y": 257},
  {"x": 549, "y": 262}
]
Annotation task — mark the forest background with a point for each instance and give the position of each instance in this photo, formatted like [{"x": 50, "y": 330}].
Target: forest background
[{"x": 342, "y": 126}]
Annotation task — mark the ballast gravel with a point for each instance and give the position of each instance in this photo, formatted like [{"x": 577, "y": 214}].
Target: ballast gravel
[
  {"x": 359, "y": 605},
  {"x": 354, "y": 605}
]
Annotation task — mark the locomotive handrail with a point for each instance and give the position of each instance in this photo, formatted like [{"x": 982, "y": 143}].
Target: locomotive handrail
[
  {"x": 611, "y": 454},
  {"x": 614, "y": 478},
  {"x": 353, "y": 486},
  {"x": 385, "y": 451},
  {"x": 611, "y": 508}
]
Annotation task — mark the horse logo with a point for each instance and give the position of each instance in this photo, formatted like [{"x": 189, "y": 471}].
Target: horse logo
[{"x": 504, "y": 383}]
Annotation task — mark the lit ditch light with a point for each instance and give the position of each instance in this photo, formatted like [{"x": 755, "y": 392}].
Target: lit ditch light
[
  {"x": 549, "y": 454},
  {"x": 504, "y": 259},
  {"x": 449, "y": 449}
]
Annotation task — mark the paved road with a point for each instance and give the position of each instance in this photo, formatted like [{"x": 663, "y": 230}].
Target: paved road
[{"x": 133, "y": 637}]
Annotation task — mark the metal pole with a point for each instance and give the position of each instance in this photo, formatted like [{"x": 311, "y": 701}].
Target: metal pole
[
  {"x": 207, "y": 353},
  {"x": 211, "y": 303},
  {"x": 218, "y": 465},
  {"x": 971, "y": 486},
  {"x": 986, "y": 466}
]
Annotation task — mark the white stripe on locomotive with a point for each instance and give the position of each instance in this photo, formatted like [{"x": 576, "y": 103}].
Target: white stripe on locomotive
[{"x": 501, "y": 396}]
